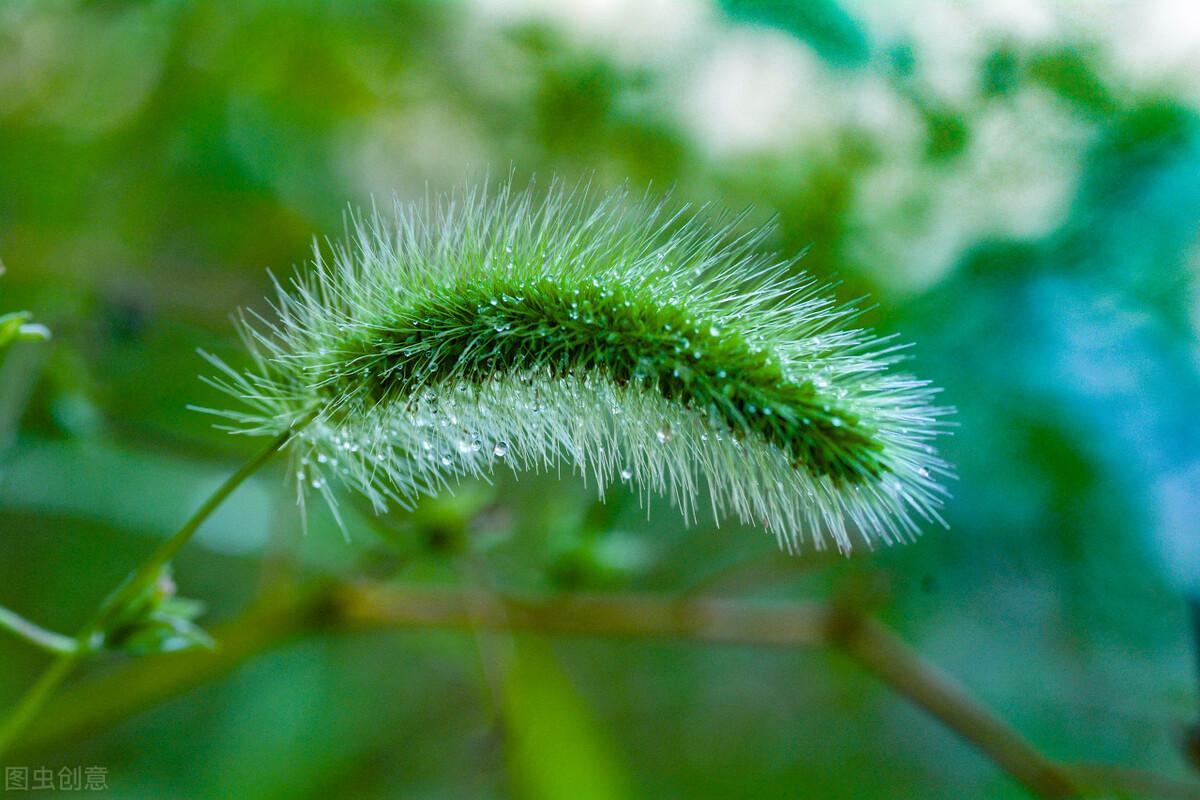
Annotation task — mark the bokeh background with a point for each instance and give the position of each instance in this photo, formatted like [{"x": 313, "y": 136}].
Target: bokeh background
[{"x": 1015, "y": 185}]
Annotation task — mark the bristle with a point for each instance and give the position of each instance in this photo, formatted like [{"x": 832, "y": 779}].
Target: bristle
[{"x": 611, "y": 334}]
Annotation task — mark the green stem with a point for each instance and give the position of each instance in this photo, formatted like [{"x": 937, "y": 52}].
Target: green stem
[
  {"x": 35, "y": 634},
  {"x": 140, "y": 580}
]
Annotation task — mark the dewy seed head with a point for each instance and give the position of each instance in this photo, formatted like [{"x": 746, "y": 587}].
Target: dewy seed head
[{"x": 635, "y": 344}]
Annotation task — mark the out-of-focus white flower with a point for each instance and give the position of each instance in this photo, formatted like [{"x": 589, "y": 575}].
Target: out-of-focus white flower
[
  {"x": 759, "y": 89},
  {"x": 913, "y": 219}
]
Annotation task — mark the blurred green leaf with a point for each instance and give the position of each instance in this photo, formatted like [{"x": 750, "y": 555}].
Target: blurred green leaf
[
  {"x": 16, "y": 327},
  {"x": 556, "y": 748}
]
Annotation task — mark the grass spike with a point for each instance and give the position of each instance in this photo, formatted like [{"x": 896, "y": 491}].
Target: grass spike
[{"x": 613, "y": 334}]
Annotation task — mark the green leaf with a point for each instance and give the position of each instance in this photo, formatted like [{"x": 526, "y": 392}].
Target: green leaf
[
  {"x": 16, "y": 326},
  {"x": 33, "y": 332},
  {"x": 555, "y": 746},
  {"x": 10, "y": 326},
  {"x": 163, "y": 633}
]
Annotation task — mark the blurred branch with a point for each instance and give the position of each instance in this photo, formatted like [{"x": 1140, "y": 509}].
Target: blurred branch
[
  {"x": 103, "y": 701},
  {"x": 364, "y": 605},
  {"x": 885, "y": 655}
]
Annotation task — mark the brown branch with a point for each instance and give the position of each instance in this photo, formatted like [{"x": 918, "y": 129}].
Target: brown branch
[
  {"x": 886, "y": 656},
  {"x": 103, "y": 701},
  {"x": 868, "y": 642},
  {"x": 374, "y": 606}
]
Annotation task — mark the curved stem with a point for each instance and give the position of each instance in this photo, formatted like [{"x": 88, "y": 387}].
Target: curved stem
[
  {"x": 139, "y": 580},
  {"x": 35, "y": 634},
  {"x": 894, "y": 662}
]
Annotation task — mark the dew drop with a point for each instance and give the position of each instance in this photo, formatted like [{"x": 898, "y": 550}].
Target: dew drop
[
  {"x": 500, "y": 449},
  {"x": 626, "y": 474},
  {"x": 664, "y": 433}
]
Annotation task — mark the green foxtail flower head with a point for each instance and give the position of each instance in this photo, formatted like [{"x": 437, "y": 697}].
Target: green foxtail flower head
[{"x": 613, "y": 335}]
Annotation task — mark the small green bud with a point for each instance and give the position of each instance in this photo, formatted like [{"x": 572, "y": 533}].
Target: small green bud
[{"x": 157, "y": 621}]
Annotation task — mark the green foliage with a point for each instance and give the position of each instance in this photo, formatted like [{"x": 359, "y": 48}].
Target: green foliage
[
  {"x": 17, "y": 326},
  {"x": 543, "y": 714}
]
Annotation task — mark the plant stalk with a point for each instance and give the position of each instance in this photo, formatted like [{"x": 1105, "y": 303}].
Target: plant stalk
[
  {"x": 35, "y": 634},
  {"x": 140, "y": 580}
]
